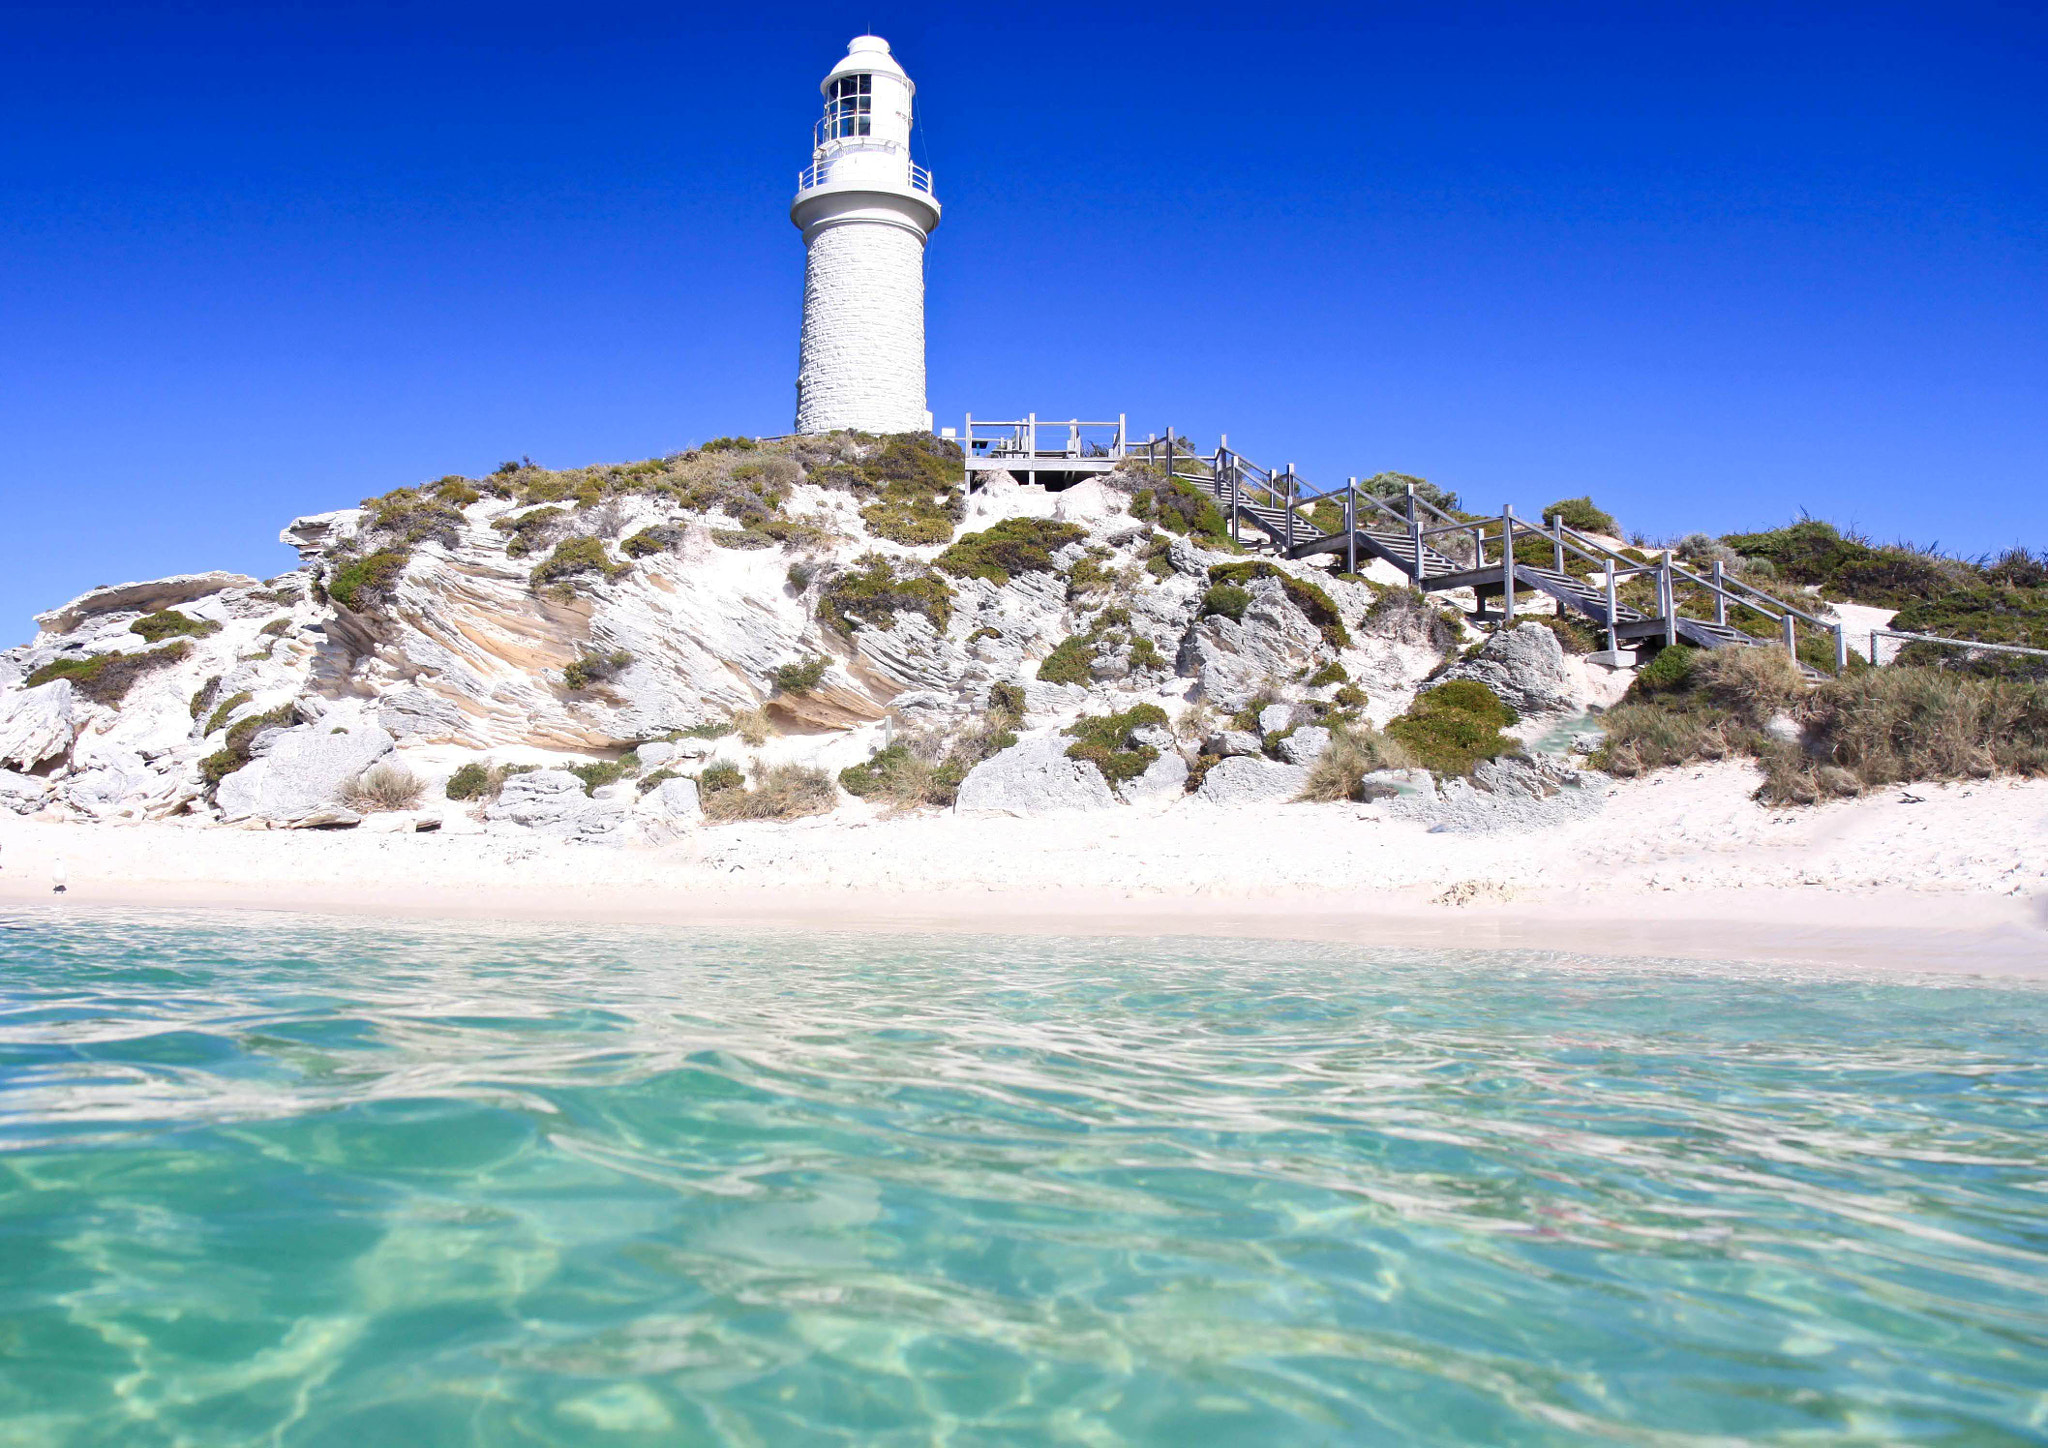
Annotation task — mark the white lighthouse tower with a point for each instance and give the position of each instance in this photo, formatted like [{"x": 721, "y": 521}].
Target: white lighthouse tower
[{"x": 865, "y": 211}]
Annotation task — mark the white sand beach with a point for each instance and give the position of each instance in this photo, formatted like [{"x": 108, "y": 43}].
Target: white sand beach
[{"x": 1945, "y": 878}]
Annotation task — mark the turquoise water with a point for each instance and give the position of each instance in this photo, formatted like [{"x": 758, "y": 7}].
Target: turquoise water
[{"x": 283, "y": 1180}]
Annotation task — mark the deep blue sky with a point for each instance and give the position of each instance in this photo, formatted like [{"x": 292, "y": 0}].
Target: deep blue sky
[{"x": 1713, "y": 265}]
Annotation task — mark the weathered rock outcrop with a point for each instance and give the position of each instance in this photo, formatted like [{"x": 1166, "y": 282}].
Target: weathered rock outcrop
[
  {"x": 1241, "y": 780},
  {"x": 1526, "y": 667},
  {"x": 1032, "y": 777},
  {"x": 37, "y": 724},
  {"x": 295, "y": 776}
]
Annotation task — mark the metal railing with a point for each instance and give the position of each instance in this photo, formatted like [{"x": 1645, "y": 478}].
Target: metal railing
[
  {"x": 819, "y": 172},
  {"x": 1970, "y": 645}
]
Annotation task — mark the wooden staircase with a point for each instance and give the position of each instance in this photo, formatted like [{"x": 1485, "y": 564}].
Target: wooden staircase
[{"x": 1406, "y": 532}]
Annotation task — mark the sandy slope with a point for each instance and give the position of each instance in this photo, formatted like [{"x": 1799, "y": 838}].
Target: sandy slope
[{"x": 1678, "y": 864}]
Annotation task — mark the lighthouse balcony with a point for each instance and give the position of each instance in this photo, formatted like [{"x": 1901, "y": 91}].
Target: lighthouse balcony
[{"x": 867, "y": 165}]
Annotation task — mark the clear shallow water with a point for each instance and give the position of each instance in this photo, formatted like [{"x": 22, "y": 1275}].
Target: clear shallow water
[{"x": 290, "y": 1181}]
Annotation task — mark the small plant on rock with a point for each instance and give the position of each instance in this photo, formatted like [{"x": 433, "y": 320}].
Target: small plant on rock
[
  {"x": 800, "y": 677},
  {"x": 595, "y": 667},
  {"x": 168, "y": 623},
  {"x": 1108, "y": 742}
]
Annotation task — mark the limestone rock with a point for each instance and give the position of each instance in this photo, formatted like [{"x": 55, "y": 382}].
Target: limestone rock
[
  {"x": 1235, "y": 659},
  {"x": 22, "y": 793},
  {"x": 418, "y": 714},
  {"x": 1305, "y": 745},
  {"x": 1164, "y": 781},
  {"x": 295, "y": 776},
  {"x": 149, "y": 597},
  {"x": 1517, "y": 776},
  {"x": 552, "y": 802},
  {"x": 1252, "y": 781},
  {"x": 37, "y": 724},
  {"x": 675, "y": 801},
  {"x": 1229, "y": 742},
  {"x": 1783, "y": 728},
  {"x": 1525, "y": 666},
  {"x": 1275, "y": 717},
  {"x": 1032, "y": 777},
  {"x": 1384, "y": 783}
]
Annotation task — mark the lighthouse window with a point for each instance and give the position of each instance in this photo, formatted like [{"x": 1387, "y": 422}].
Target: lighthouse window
[{"x": 853, "y": 99}]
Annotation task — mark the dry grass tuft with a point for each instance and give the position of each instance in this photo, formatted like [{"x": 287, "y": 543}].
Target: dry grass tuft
[
  {"x": 1353, "y": 754},
  {"x": 382, "y": 787},
  {"x": 1863, "y": 731},
  {"x": 752, "y": 725},
  {"x": 783, "y": 792}
]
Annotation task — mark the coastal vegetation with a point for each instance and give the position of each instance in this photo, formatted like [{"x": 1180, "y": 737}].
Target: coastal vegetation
[
  {"x": 780, "y": 792},
  {"x": 1110, "y": 742},
  {"x": 1452, "y": 728},
  {"x": 872, "y": 592},
  {"x": 168, "y": 623},
  {"x": 1013, "y": 546},
  {"x": 107, "y": 678},
  {"x": 385, "y": 786},
  {"x": 1864, "y": 730}
]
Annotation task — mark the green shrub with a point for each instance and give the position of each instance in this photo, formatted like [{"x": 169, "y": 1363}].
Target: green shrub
[
  {"x": 241, "y": 738},
  {"x": 872, "y": 593},
  {"x": 456, "y": 491},
  {"x": 528, "y": 530},
  {"x": 660, "y": 538},
  {"x": 700, "y": 731},
  {"x": 1145, "y": 654},
  {"x": 800, "y": 678},
  {"x": 1330, "y": 673},
  {"x": 170, "y": 624},
  {"x": 651, "y": 782},
  {"x": 728, "y": 444},
  {"x": 1178, "y": 506},
  {"x": 595, "y": 667},
  {"x": 1453, "y": 727},
  {"x": 277, "y": 628},
  {"x": 107, "y": 678},
  {"x": 1671, "y": 669},
  {"x": 576, "y": 558},
  {"x": 1106, "y": 742},
  {"x": 1395, "y": 485},
  {"x": 801, "y": 573},
  {"x": 598, "y": 773},
  {"x": 1576, "y": 636},
  {"x": 1580, "y": 513},
  {"x": 1846, "y": 566},
  {"x": 1225, "y": 600},
  {"x": 219, "y": 720},
  {"x": 471, "y": 781},
  {"x": 1349, "y": 696},
  {"x": 720, "y": 776},
  {"x": 1070, "y": 662},
  {"x": 1319, "y": 608},
  {"x": 205, "y": 696},
  {"x": 360, "y": 584}
]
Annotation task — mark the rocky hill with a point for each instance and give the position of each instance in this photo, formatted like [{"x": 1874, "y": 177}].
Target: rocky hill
[{"x": 761, "y": 630}]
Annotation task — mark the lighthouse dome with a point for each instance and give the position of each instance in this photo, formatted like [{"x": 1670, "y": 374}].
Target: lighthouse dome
[{"x": 867, "y": 55}]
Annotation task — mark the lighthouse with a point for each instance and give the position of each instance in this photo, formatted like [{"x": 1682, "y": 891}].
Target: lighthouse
[{"x": 865, "y": 210}]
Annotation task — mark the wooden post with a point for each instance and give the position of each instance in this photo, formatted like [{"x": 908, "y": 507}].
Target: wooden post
[
  {"x": 1169, "y": 449},
  {"x": 1415, "y": 536},
  {"x": 1841, "y": 651},
  {"x": 1236, "y": 468},
  {"x": 1121, "y": 438},
  {"x": 1290, "y": 509},
  {"x": 1613, "y": 639},
  {"x": 1668, "y": 600},
  {"x": 1557, "y": 542},
  {"x": 1720, "y": 596},
  {"x": 1792, "y": 637},
  {"x": 1507, "y": 567},
  {"x": 1351, "y": 525}
]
